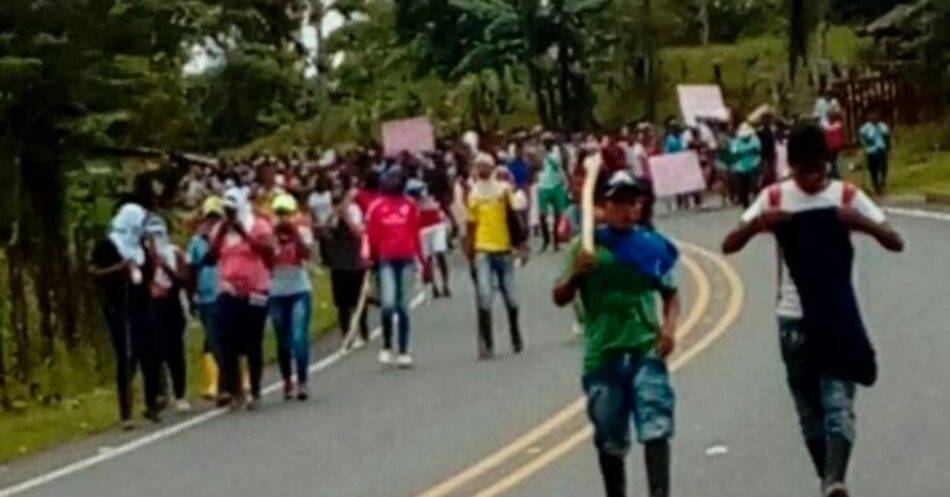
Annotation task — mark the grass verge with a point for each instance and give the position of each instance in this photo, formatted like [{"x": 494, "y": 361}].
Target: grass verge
[{"x": 40, "y": 427}]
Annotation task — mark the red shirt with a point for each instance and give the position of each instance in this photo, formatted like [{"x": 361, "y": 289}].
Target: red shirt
[
  {"x": 393, "y": 228},
  {"x": 364, "y": 199}
]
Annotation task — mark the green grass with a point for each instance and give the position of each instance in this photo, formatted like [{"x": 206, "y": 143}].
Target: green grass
[{"x": 39, "y": 427}]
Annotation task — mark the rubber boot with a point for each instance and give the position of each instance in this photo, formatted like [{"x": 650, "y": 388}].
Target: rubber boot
[
  {"x": 517, "y": 343},
  {"x": 838, "y": 456},
  {"x": 657, "y": 455},
  {"x": 485, "y": 339},
  {"x": 209, "y": 375},
  {"x": 614, "y": 474},
  {"x": 816, "y": 449}
]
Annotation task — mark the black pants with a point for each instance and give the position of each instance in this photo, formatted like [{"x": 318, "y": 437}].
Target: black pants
[
  {"x": 877, "y": 166},
  {"x": 170, "y": 325},
  {"x": 746, "y": 187},
  {"x": 241, "y": 332},
  {"x": 347, "y": 287},
  {"x": 133, "y": 341}
]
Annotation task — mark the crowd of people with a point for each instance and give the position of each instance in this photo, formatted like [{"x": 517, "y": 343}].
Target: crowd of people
[{"x": 378, "y": 222}]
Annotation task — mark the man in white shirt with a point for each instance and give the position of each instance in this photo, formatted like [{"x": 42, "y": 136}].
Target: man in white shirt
[{"x": 823, "y": 390}]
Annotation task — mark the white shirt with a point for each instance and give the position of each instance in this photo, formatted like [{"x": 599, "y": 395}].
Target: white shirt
[
  {"x": 321, "y": 206},
  {"x": 794, "y": 200}
]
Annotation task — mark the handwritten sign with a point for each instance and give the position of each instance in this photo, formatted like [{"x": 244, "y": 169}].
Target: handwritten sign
[
  {"x": 676, "y": 174},
  {"x": 701, "y": 102},
  {"x": 409, "y": 135}
]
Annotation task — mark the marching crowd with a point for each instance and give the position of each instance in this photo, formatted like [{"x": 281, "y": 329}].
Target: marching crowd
[{"x": 380, "y": 222}]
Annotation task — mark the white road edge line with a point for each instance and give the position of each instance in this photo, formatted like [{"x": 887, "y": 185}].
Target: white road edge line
[
  {"x": 919, "y": 213},
  {"x": 173, "y": 430}
]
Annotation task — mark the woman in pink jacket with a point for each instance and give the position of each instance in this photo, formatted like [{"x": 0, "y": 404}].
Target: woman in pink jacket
[{"x": 392, "y": 231}]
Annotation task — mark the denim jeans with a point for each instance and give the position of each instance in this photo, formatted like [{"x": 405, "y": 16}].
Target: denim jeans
[
  {"x": 630, "y": 386},
  {"x": 290, "y": 315},
  {"x": 395, "y": 285},
  {"x": 501, "y": 267},
  {"x": 825, "y": 404}
]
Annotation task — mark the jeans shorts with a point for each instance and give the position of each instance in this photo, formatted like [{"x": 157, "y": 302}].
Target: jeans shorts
[{"x": 630, "y": 387}]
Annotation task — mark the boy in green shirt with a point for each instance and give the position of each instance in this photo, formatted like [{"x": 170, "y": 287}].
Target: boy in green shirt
[{"x": 626, "y": 343}]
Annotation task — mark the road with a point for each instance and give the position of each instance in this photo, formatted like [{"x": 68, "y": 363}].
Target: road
[{"x": 454, "y": 426}]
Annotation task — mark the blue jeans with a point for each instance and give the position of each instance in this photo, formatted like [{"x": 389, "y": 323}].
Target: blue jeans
[
  {"x": 630, "y": 386},
  {"x": 291, "y": 317},
  {"x": 395, "y": 284},
  {"x": 825, "y": 404},
  {"x": 500, "y": 266}
]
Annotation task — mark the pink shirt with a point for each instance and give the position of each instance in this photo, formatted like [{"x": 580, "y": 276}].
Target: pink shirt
[
  {"x": 241, "y": 270},
  {"x": 392, "y": 228}
]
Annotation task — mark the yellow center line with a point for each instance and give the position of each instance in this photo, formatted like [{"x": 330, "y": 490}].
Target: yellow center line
[
  {"x": 575, "y": 408},
  {"x": 733, "y": 307}
]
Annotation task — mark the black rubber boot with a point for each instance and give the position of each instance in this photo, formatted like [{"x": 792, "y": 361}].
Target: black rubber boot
[
  {"x": 657, "y": 456},
  {"x": 838, "y": 456},
  {"x": 614, "y": 474},
  {"x": 486, "y": 348},
  {"x": 816, "y": 449},
  {"x": 517, "y": 343}
]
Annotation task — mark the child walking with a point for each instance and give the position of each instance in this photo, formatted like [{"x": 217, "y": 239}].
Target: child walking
[{"x": 626, "y": 342}]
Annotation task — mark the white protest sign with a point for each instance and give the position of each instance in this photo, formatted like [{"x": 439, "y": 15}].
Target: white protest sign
[
  {"x": 676, "y": 174},
  {"x": 409, "y": 135},
  {"x": 701, "y": 101}
]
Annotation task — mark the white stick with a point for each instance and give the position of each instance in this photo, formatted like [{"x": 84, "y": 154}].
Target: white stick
[
  {"x": 592, "y": 168},
  {"x": 355, "y": 319}
]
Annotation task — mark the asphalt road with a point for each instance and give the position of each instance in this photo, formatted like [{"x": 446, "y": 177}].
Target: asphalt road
[{"x": 375, "y": 432}]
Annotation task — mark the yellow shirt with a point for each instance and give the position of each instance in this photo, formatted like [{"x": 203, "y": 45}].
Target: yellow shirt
[{"x": 488, "y": 209}]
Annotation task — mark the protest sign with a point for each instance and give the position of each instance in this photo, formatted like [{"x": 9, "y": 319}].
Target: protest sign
[
  {"x": 410, "y": 135},
  {"x": 676, "y": 174},
  {"x": 701, "y": 102}
]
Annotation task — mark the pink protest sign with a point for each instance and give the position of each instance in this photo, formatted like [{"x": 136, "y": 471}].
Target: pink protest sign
[
  {"x": 675, "y": 174},
  {"x": 701, "y": 102},
  {"x": 411, "y": 135}
]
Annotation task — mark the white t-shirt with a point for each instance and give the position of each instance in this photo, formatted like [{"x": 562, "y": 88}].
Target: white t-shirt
[
  {"x": 321, "y": 206},
  {"x": 794, "y": 200},
  {"x": 639, "y": 160}
]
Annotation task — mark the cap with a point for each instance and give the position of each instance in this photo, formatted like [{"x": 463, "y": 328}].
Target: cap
[
  {"x": 212, "y": 205},
  {"x": 284, "y": 203},
  {"x": 622, "y": 184}
]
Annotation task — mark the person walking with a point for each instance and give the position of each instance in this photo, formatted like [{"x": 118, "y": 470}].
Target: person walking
[
  {"x": 746, "y": 156},
  {"x": 824, "y": 343},
  {"x": 495, "y": 234},
  {"x": 875, "y": 137},
  {"x": 169, "y": 277},
  {"x": 393, "y": 238},
  {"x": 340, "y": 240},
  {"x": 552, "y": 191},
  {"x": 290, "y": 296},
  {"x": 205, "y": 271},
  {"x": 118, "y": 264},
  {"x": 243, "y": 244},
  {"x": 626, "y": 343}
]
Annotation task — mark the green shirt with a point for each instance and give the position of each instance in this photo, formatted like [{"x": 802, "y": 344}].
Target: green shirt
[
  {"x": 746, "y": 152},
  {"x": 620, "y": 308}
]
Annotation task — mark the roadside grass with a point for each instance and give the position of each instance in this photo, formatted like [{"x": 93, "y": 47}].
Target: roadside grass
[
  {"x": 40, "y": 427},
  {"x": 920, "y": 162}
]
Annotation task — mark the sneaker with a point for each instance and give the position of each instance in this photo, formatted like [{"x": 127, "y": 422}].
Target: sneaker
[
  {"x": 252, "y": 403},
  {"x": 385, "y": 356},
  {"x": 303, "y": 393},
  {"x": 358, "y": 343},
  {"x": 128, "y": 425},
  {"x": 182, "y": 406},
  {"x": 404, "y": 361},
  {"x": 836, "y": 490},
  {"x": 289, "y": 390}
]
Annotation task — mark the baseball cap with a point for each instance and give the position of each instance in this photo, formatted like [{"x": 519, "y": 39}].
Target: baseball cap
[{"x": 622, "y": 184}]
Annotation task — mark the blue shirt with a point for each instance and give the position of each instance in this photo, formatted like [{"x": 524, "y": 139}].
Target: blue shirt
[
  {"x": 206, "y": 291},
  {"x": 874, "y": 137},
  {"x": 672, "y": 144},
  {"x": 520, "y": 173}
]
